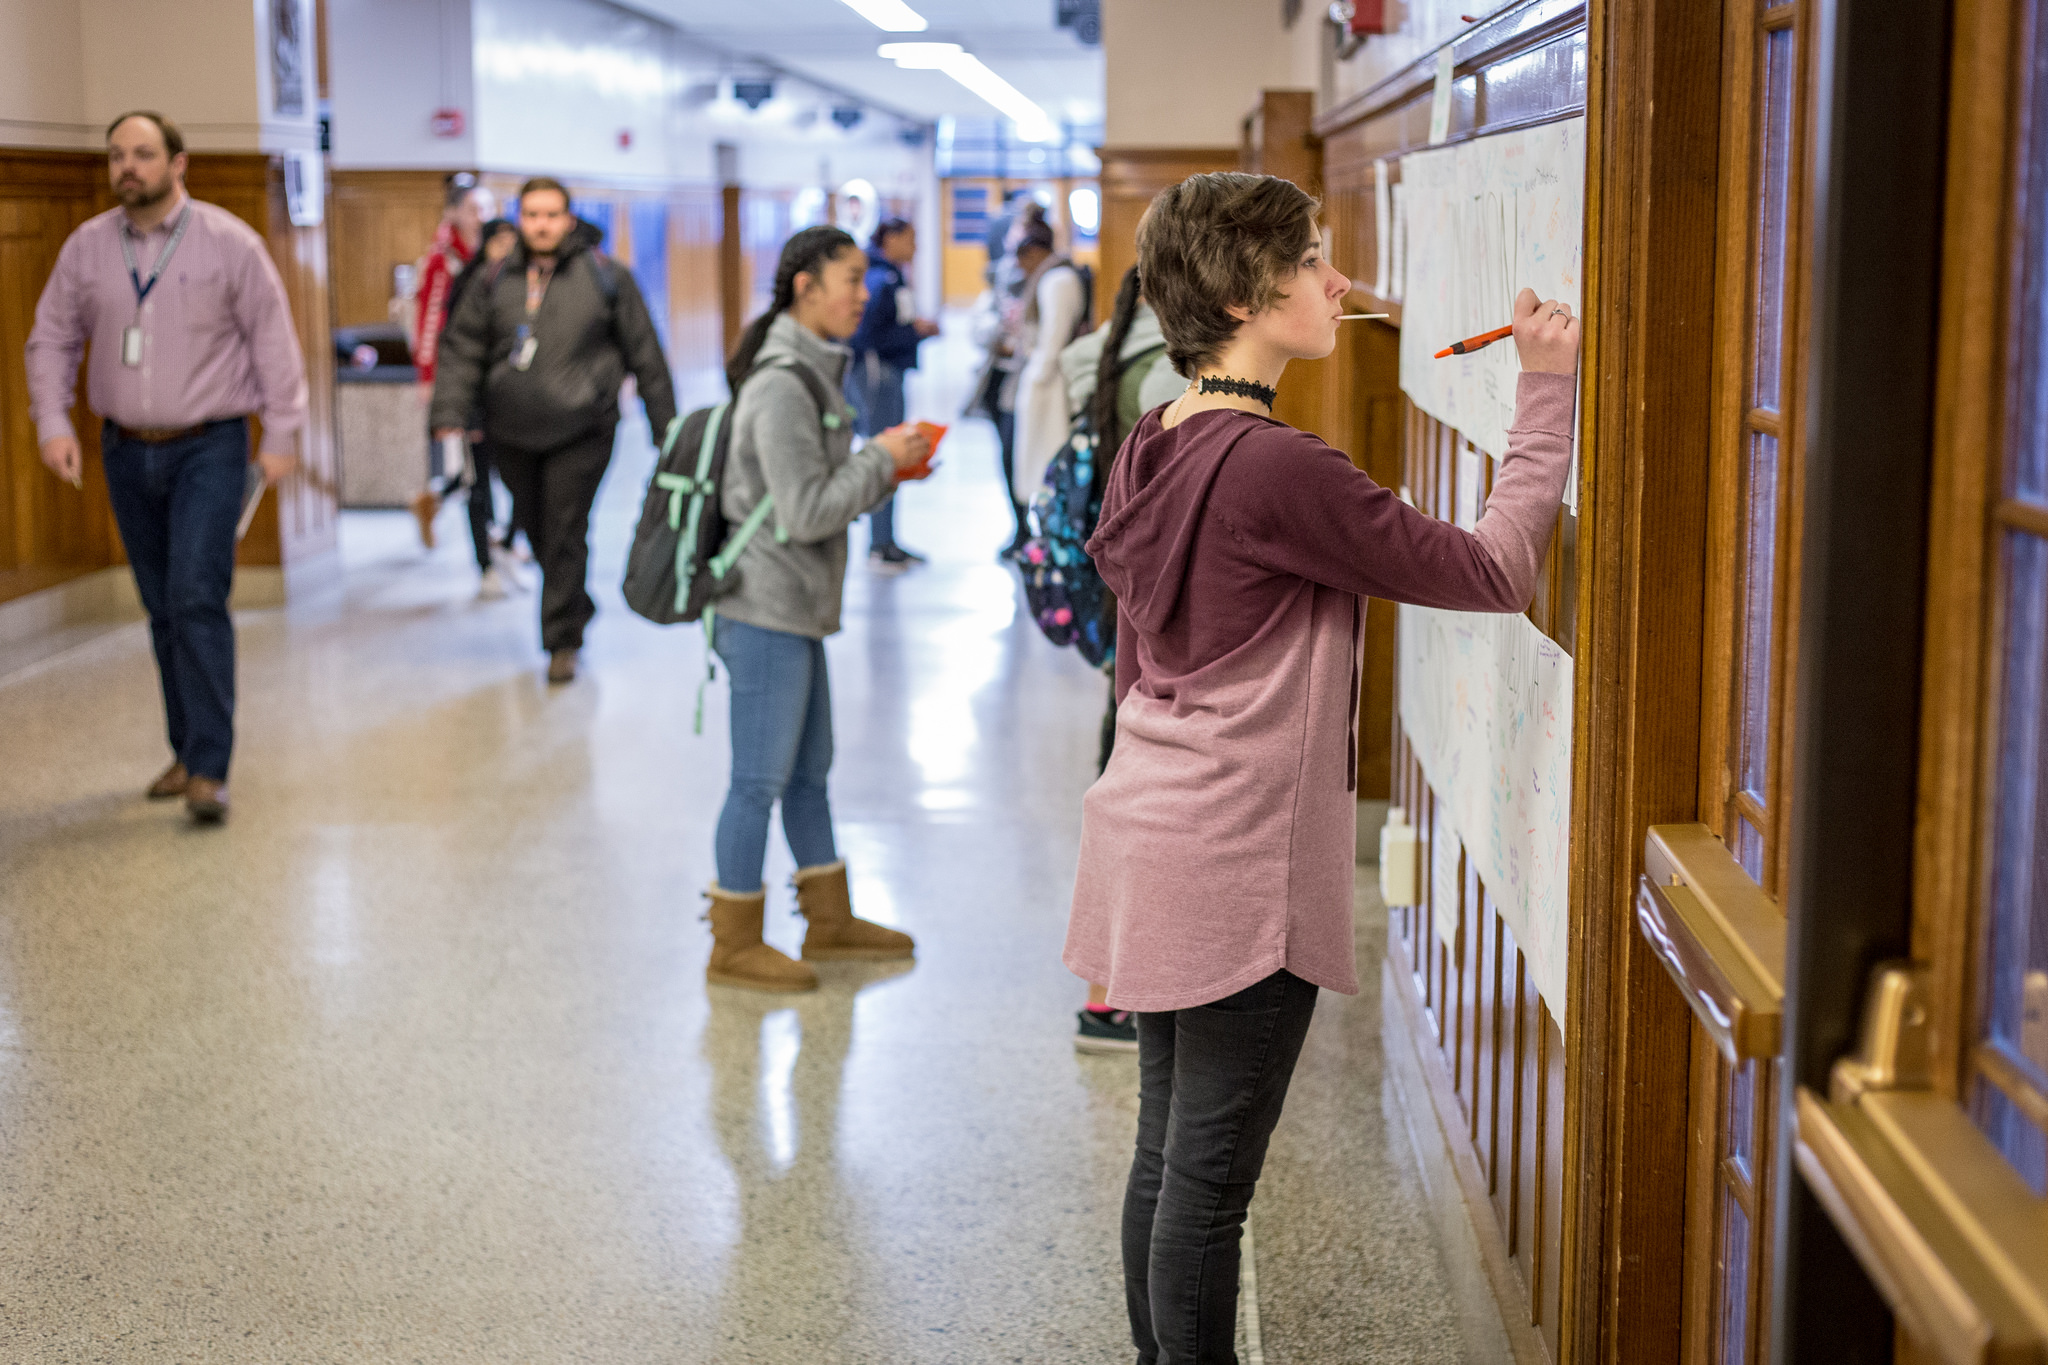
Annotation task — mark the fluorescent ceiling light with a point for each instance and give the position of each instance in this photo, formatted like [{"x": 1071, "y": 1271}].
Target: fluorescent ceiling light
[
  {"x": 1033, "y": 124},
  {"x": 891, "y": 16}
]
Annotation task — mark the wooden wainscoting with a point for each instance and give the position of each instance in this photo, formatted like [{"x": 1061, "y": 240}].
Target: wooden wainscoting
[
  {"x": 295, "y": 526},
  {"x": 1494, "y": 1054},
  {"x": 48, "y": 530},
  {"x": 380, "y": 220}
]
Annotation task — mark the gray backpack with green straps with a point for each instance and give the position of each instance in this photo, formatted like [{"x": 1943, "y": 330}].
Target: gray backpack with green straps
[{"x": 685, "y": 553}]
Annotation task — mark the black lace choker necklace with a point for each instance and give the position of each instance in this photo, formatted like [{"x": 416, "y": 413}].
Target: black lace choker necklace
[{"x": 1240, "y": 388}]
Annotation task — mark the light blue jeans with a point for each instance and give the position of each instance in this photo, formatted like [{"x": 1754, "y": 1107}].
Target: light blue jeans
[{"x": 781, "y": 751}]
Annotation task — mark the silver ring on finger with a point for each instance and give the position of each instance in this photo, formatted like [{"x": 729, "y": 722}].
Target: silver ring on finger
[{"x": 1558, "y": 312}]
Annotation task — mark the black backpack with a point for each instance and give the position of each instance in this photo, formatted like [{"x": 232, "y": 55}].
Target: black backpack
[{"x": 685, "y": 552}]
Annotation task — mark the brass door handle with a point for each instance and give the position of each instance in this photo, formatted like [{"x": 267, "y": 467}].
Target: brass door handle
[
  {"x": 1951, "y": 1236},
  {"x": 1718, "y": 935}
]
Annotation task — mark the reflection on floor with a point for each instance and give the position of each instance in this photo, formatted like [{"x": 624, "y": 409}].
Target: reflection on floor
[{"x": 413, "y": 1061}]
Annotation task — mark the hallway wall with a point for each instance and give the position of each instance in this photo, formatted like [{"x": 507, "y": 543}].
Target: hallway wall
[
  {"x": 1157, "y": 51},
  {"x": 65, "y": 69}
]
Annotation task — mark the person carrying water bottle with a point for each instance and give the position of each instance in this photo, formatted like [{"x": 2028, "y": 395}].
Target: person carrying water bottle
[{"x": 771, "y": 628}]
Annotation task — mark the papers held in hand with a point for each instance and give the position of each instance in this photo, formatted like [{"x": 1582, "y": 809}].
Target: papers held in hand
[{"x": 253, "y": 484}]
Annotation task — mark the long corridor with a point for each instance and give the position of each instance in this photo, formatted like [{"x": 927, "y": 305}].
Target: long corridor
[{"x": 414, "y": 1059}]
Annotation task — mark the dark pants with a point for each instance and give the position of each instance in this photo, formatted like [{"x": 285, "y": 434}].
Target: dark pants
[
  {"x": 177, "y": 504},
  {"x": 1006, "y": 438},
  {"x": 552, "y": 493},
  {"x": 1211, "y": 1080},
  {"x": 478, "y": 476},
  {"x": 875, "y": 388}
]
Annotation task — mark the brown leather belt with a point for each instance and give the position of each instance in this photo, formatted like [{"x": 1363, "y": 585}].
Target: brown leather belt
[{"x": 157, "y": 436}]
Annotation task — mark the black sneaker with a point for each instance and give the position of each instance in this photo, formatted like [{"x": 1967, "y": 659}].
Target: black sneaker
[{"x": 1115, "y": 1031}]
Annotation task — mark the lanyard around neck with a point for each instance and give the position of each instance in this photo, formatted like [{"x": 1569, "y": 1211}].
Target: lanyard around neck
[
  {"x": 538, "y": 278},
  {"x": 163, "y": 258}
]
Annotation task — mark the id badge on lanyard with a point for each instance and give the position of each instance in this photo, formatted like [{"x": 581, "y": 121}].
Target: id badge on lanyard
[
  {"x": 131, "y": 335},
  {"x": 524, "y": 342}
]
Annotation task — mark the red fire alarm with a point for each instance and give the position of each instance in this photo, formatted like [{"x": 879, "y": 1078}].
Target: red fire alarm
[
  {"x": 625, "y": 139},
  {"x": 1360, "y": 17},
  {"x": 446, "y": 122}
]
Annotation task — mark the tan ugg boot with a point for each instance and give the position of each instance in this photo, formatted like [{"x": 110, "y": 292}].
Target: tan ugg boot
[
  {"x": 739, "y": 957},
  {"x": 834, "y": 934}
]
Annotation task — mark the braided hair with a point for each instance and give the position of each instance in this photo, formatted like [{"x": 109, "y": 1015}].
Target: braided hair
[
  {"x": 806, "y": 253},
  {"x": 1102, "y": 408}
]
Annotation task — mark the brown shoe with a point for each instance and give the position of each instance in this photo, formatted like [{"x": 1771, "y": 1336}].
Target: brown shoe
[
  {"x": 207, "y": 800},
  {"x": 739, "y": 957},
  {"x": 834, "y": 934},
  {"x": 170, "y": 784},
  {"x": 562, "y": 666},
  {"x": 426, "y": 505}
]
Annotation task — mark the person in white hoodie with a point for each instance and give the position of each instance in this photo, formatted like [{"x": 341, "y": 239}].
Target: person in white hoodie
[{"x": 1054, "y": 307}]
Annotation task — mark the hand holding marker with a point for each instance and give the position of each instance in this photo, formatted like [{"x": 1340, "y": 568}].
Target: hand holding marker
[{"x": 1546, "y": 344}]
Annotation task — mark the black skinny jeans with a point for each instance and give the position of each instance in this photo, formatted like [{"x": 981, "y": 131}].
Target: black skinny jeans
[{"x": 1211, "y": 1080}]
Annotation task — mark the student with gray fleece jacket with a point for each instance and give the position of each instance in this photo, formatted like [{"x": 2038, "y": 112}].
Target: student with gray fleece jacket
[{"x": 771, "y": 628}]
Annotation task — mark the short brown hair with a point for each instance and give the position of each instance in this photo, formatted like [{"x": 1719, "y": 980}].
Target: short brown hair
[
  {"x": 1214, "y": 241},
  {"x": 174, "y": 136},
  {"x": 545, "y": 182}
]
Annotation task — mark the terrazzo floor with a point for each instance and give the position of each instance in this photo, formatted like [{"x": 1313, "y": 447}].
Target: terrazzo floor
[{"x": 413, "y": 1060}]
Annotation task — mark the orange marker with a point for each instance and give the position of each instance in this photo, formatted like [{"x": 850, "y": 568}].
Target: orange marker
[{"x": 1474, "y": 343}]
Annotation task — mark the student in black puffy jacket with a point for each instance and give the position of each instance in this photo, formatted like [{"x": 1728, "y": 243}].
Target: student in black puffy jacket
[{"x": 541, "y": 346}]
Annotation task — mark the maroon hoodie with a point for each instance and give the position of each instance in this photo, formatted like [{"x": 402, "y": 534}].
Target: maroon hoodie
[{"x": 1217, "y": 848}]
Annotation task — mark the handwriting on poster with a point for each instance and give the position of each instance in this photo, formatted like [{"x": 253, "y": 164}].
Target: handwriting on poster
[
  {"x": 1486, "y": 702},
  {"x": 1484, "y": 220}
]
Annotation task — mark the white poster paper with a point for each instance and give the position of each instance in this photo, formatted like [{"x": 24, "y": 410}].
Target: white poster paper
[
  {"x": 1486, "y": 219},
  {"x": 1440, "y": 96},
  {"x": 1382, "y": 234},
  {"x": 1486, "y": 701}
]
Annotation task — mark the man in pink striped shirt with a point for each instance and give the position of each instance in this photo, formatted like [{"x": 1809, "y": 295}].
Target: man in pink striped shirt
[{"x": 190, "y": 334}]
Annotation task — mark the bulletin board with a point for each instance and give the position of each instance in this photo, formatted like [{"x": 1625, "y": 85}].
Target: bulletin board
[
  {"x": 1481, "y": 221},
  {"x": 1486, "y": 700}
]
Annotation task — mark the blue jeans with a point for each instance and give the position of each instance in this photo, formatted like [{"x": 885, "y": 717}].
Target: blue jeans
[
  {"x": 177, "y": 504},
  {"x": 781, "y": 750},
  {"x": 875, "y": 388}
]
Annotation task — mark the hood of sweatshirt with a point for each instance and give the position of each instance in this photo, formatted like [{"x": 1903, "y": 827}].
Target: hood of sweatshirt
[
  {"x": 789, "y": 339},
  {"x": 1158, "y": 490}
]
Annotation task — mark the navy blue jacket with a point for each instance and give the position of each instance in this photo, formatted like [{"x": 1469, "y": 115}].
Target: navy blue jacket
[{"x": 892, "y": 338}]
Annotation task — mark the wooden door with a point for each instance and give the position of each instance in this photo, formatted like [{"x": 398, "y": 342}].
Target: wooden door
[
  {"x": 1930, "y": 1148},
  {"x": 1753, "y": 521}
]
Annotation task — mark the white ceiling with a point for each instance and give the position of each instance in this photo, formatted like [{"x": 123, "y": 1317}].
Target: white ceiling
[{"x": 830, "y": 43}]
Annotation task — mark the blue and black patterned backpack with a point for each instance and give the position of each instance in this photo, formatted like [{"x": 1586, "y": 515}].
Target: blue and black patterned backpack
[{"x": 1067, "y": 597}]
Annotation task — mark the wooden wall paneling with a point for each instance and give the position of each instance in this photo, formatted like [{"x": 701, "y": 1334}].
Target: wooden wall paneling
[
  {"x": 304, "y": 511},
  {"x": 1490, "y": 1023},
  {"x": 1553, "y": 1187},
  {"x": 1131, "y": 176},
  {"x": 1280, "y": 139},
  {"x": 377, "y": 220},
  {"x": 252, "y": 188},
  {"x": 48, "y": 530},
  {"x": 1653, "y": 136}
]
